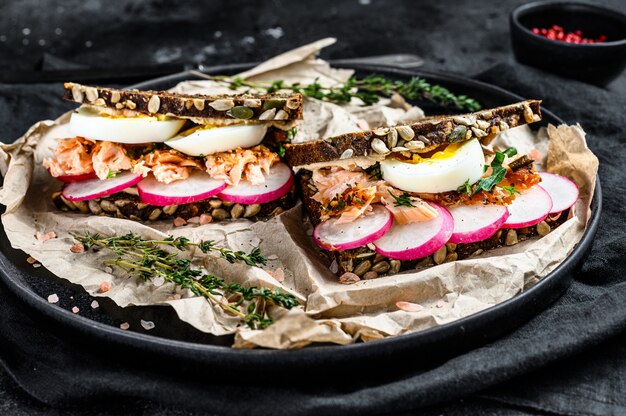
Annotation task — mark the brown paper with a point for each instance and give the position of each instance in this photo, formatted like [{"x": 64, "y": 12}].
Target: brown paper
[{"x": 331, "y": 312}]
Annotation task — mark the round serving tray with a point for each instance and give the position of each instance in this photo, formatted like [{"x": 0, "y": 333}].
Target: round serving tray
[{"x": 176, "y": 346}]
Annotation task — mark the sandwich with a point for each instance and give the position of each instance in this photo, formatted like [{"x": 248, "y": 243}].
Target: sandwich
[
  {"x": 148, "y": 155},
  {"x": 409, "y": 196}
]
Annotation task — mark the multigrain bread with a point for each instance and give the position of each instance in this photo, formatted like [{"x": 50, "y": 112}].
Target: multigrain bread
[
  {"x": 126, "y": 204},
  {"x": 420, "y": 137},
  {"x": 265, "y": 107},
  {"x": 365, "y": 262}
]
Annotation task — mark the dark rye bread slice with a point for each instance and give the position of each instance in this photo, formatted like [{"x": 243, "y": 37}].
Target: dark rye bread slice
[
  {"x": 126, "y": 204},
  {"x": 239, "y": 107},
  {"x": 364, "y": 259},
  {"x": 420, "y": 137}
]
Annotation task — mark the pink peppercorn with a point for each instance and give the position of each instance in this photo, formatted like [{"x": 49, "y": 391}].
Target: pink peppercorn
[{"x": 557, "y": 32}]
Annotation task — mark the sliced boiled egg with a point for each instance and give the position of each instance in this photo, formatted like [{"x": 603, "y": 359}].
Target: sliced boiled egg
[
  {"x": 206, "y": 140},
  {"x": 444, "y": 171},
  {"x": 141, "y": 129}
]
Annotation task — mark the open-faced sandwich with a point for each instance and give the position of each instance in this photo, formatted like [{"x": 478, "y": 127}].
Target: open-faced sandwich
[
  {"x": 147, "y": 155},
  {"x": 397, "y": 198}
]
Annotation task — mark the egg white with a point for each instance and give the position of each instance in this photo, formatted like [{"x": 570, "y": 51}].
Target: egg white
[
  {"x": 437, "y": 174},
  {"x": 206, "y": 141},
  {"x": 132, "y": 130}
]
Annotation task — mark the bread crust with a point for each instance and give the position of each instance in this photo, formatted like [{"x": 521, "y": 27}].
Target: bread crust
[
  {"x": 126, "y": 204},
  {"x": 264, "y": 107}
]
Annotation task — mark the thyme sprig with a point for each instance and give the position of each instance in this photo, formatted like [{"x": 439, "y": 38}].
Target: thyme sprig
[
  {"x": 368, "y": 89},
  {"x": 146, "y": 259}
]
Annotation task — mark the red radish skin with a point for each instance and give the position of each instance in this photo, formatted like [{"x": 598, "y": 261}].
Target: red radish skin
[
  {"x": 277, "y": 184},
  {"x": 76, "y": 178},
  {"x": 563, "y": 191},
  {"x": 529, "y": 208},
  {"x": 367, "y": 228},
  {"x": 98, "y": 188},
  {"x": 416, "y": 240},
  {"x": 474, "y": 223},
  {"x": 198, "y": 186}
]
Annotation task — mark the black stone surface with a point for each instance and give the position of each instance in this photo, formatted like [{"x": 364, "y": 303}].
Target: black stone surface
[{"x": 463, "y": 37}]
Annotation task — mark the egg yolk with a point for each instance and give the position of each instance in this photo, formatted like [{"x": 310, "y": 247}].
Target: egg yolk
[
  {"x": 444, "y": 154},
  {"x": 195, "y": 129}
]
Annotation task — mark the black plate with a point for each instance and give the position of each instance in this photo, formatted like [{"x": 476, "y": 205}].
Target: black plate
[{"x": 177, "y": 346}]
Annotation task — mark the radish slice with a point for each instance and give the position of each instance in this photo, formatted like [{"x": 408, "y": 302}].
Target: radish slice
[
  {"x": 366, "y": 229},
  {"x": 418, "y": 239},
  {"x": 97, "y": 188},
  {"x": 476, "y": 222},
  {"x": 564, "y": 192},
  {"x": 76, "y": 178},
  {"x": 277, "y": 183},
  {"x": 529, "y": 208},
  {"x": 198, "y": 186}
]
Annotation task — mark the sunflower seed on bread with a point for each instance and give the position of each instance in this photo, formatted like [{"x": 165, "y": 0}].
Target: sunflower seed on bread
[{"x": 236, "y": 106}]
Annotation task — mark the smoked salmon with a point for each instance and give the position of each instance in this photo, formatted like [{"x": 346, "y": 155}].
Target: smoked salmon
[
  {"x": 241, "y": 164},
  {"x": 71, "y": 157}
]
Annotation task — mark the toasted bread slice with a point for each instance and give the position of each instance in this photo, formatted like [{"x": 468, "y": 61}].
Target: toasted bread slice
[
  {"x": 420, "y": 137},
  {"x": 265, "y": 107},
  {"x": 126, "y": 204}
]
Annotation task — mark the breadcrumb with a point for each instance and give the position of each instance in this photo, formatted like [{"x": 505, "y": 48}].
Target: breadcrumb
[
  {"x": 31, "y": 260},
  {"x": 95, "y": 304},
  {"x": 75, "y": 309},
  {"x": 53, "y": 298},
  {"x": 348, "y": 278},
  {"x": 124, "y": 325}
]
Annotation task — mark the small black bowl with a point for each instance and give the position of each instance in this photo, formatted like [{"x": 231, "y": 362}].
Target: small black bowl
[{"x": 596, "y": 63}]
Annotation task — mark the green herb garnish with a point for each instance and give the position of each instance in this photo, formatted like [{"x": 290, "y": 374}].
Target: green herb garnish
[
  {"x": 374, "y": 172},
  {"x": 466, "y": 188},
  {"x": 291, "y": 134},
  {"x": 144, "y": 258},
  {"x": 111, "y": 173},
  {"x": 280, "y": 149},
  {"x": 511, "y": 189},
  {"x": 368, "y": 89},
  {"x": 498, "y": 171},
  {"x": 403, "y": 200}
]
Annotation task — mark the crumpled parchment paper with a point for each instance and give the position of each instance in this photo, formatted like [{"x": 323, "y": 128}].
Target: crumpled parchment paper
[{"x": 331, "y": 312}]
